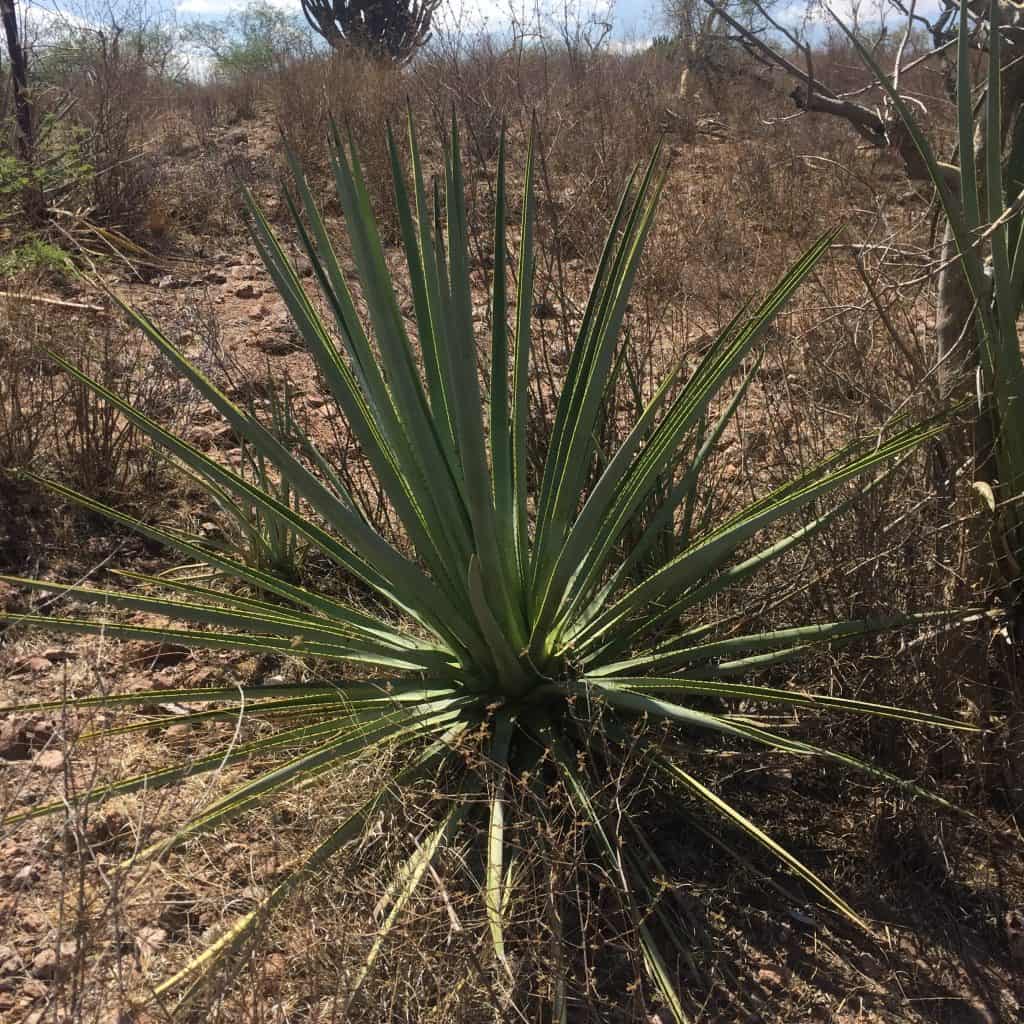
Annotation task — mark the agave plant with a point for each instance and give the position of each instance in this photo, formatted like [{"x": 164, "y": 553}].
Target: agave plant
[{"x": 520, "y": 622}]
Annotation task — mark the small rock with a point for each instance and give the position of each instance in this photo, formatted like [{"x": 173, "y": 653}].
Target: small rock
[
  {"x": 53, "y": 964},
  {"x": 10, "y": 962},
  {"x": 771, "y": 977},
  {"x": 169, "y": 282},
  {"x": 178, "y": 914},
  {"x": 164, "y": 654},
  {"x": 273, "y": 346},
  {"x": 31, "y": 921},
  {"x": 148, "y": 940},
  {"x": 802, "y": 919},
  {"x": 59, "y": 654},
  {"x": 13, "y": 742},
  {"x": 215, "y": 435},
  {"x": 869, "y": 966},
  {"x": 107, "y": 828},
  {"x": 206, "y": 674},
  {"x": 125, "y": 1017},
  {"x": 9, "y": 597},
  {"x": 26, "y": 877},
  {"x": 51, "y": 760},
  {"x": 36, "y": 665}
]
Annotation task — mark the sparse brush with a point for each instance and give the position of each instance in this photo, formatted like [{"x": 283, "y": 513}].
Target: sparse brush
[
  {"x": 985, "y": 214},
  {"x": 526, "y": 646}
]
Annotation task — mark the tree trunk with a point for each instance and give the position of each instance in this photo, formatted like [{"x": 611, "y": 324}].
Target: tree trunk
[
  {"x": 32, "y": 201},
  {"x": 695, "y": 52},
  {"x": 19, "y": 79}
]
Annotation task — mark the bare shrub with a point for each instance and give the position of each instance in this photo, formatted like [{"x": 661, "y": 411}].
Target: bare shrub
[
  {"x": 26, "y": 412},
  {"x": 109, "y": 77}
]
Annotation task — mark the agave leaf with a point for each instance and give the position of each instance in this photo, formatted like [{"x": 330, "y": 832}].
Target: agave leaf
[
  {"x": 288, "y": 708},
  {"x": 653, "y": 959},
  {"x": 626, "y": 480},
  {"x": 367, "y": 548},
  {"x": 693, "y": 564},
  {"x": 494, "y": 893},
  {"x": 294, "y": 629},
  {"x": 406, "y": 882},
  {"x": 361, "y": 393},
  {"x": 193, "y": 546},
  {"x": 999, "y": 342},
  {"x": 959, "y": 223},
  {"x": 679, "y": 654},
  {"x": 520, "y": 366},
  {"x": 994, "y": 190},
  {"x": 780, "y": 852},
  {"x": 431, "y": 254},
  {"x": 421, "y": 291},
  {"x": 355, "y": 621},
  {"x": 366, "y": 731},
  {"x": 675, "y": 688},
  {"x": 739, "y": 728},
  {"x": 198, "y": 969},
  {"x": 459, "y": 352},
  {"x": 554, "y": 463},
  {"x": 393, "y": 690},
  {"x": 426, "y": 455},
  {"x": 572, "y": 448},
  {"x": 217, "y": 641},
  {"x": 180, "y": 771},
  {"x": 501, "y": 429}
]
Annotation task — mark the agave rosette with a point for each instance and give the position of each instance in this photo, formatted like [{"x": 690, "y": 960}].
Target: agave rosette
[{"x": 511, "y": 599}]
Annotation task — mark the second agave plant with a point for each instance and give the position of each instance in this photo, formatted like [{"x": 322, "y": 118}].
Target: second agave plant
[{"x": 529, "y": 614}]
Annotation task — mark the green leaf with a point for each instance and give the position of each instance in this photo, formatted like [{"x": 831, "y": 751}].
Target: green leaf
[
  {"x": 229, "y": 944},
  {"x": 780, "y": 852},
  {"x": 494, "y": 894}
]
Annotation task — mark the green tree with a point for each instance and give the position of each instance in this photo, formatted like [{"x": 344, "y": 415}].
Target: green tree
[{"x": 256, "y": 40}]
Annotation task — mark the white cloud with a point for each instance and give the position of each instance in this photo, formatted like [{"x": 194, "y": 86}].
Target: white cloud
[
  {"x": 628, "y": 46},
  {"x": 208, "y": 8},
  {"x": 43, "y": 19}
]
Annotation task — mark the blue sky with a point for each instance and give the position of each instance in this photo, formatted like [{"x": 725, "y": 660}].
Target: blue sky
[
  {"x": 631, "y": 20},
  {"x": 636, "y": 18}
]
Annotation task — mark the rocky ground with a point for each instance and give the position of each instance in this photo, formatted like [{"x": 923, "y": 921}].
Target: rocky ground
[{"x": 78, "y": 941}]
